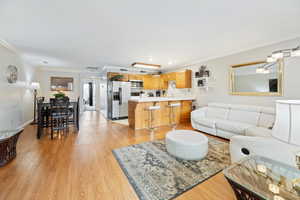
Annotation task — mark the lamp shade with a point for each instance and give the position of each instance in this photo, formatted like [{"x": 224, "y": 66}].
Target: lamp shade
[
  {"x": 287, "y": 124},
  {"x": 35, "y": 85}
]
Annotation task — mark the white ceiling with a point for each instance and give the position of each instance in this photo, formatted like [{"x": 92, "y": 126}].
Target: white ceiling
[{"x": 80, "y": 33}]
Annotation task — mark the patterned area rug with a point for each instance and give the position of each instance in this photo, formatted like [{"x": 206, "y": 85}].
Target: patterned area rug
[{"x": 156, "y": 175}]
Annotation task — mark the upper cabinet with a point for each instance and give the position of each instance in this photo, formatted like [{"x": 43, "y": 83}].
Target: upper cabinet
[
  {"x": 183, "y": 79},
  {"x": 136, "y": 77},
  {"x": 157, "y": 82},
  {"x": 151, "y": 82},
  {"x": 164, "y": 81}
]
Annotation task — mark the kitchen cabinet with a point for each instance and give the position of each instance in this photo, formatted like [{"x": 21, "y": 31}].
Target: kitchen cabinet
[
  {"x": 164, "y": 82},
  {"x": 171, "y": 76},
  {"x": 147, "y": 79},
  {"x": 151, "y": 82},
  {"x": 138, "y": 115},
  {"x": 158, "y": 82},
  {"x": 183, "y": 79},
  {"x": 185, "y": 111},
  {"x": 138, "y": 77}
]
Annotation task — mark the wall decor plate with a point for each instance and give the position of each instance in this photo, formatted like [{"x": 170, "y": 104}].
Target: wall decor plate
[{"x": 12, "y": 74}]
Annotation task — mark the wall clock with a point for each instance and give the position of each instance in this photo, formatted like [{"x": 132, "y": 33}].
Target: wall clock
[{"x": 12, "y": 74}]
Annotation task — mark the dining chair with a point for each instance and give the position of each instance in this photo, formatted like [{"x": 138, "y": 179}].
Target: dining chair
[
  {"x": 74, "y": 115},
  {"x": 59, "y": 114}
]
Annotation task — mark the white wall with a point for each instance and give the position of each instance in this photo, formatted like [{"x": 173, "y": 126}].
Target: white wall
[
  {"x": 16, "y": 94},
  {"x": 219, "y": 92},
  {"x": 44, "y": 76},
  {"x": 80, "y": 78}
]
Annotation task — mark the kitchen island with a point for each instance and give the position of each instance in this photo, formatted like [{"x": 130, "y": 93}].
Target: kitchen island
[{"x": 138, "y": 115}]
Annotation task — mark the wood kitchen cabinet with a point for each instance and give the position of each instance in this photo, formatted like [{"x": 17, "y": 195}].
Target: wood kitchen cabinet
[
  {"x": 158, "y": 82},
  {"x": 147, "y": 79},
  {"x": 164, "y": 82},
  {"x": 171, "y": 76},
  {"x": 184, "y": 79},
  {"x": 185, "y": 111},
  {"x": 138, "y": 77},
  {"x": 151, "y": 82},
  {"x": 138, "y": 115}
]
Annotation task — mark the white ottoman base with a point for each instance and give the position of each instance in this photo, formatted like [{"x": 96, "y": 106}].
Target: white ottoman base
[{"x": 186, "y": 144}]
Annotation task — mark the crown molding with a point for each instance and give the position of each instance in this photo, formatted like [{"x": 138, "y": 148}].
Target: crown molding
[{"x": 8, "y": 46}]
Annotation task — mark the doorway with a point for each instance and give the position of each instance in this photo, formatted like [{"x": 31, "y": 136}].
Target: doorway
[{"x": 89, "y": 96}]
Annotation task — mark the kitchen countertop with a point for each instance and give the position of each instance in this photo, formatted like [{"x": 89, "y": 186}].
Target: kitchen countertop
[{"x": 153, "y": 99}]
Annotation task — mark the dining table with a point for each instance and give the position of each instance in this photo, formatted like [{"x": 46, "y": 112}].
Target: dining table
[{"x": 43, "y": 118}]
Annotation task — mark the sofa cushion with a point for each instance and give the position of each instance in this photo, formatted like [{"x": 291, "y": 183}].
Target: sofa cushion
[
  {"x": 248, "y": 108},
  {"x": 258, "y": 131},
  {"x": 214, "y": 112},
  {"x": 249, "y": 117},
  {"x": 208, "y": 122},
  {"x": 232, "y": 126}
]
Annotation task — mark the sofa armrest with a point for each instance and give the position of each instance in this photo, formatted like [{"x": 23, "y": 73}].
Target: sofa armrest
[
  {"x": 262, "y": 146},
  {"x": 199, "y": 113}
]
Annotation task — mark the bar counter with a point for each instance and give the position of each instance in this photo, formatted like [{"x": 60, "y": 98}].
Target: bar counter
[{"x": 138, "y": 115}]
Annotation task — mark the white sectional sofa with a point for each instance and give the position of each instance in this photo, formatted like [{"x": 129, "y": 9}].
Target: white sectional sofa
[
  {"x": 227, "y": 120},
  {"x": 284, "y": 143}
]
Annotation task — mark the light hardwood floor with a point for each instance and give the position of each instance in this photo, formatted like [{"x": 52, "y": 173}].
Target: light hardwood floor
[{"x": 82, "y": 166}]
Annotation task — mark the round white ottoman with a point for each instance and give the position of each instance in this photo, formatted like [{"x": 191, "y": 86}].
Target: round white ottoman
[{"x": 188, "y": 145}]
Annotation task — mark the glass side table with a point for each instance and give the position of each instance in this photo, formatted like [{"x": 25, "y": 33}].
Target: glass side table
[
  {"x": 8, "y": 142},
  {"x": 259, "y": 178}
]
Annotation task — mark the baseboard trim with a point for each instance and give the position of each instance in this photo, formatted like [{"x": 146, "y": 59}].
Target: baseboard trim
[{"x": 27, "y": 123}]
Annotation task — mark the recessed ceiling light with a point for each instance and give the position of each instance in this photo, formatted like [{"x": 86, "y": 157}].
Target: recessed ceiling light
[
  {"x": 170, "y": 63},
  {"x": 150, "y": 59}
]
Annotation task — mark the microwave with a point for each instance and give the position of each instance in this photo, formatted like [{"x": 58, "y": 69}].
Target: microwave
[{"x": 136, "y": 84}]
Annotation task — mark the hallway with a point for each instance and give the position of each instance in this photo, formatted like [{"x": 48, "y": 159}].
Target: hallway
[{"x": 82, "y": 165}]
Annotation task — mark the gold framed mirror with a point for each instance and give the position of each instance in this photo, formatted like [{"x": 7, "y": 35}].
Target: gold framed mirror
[{"x": 257, "y": 79}]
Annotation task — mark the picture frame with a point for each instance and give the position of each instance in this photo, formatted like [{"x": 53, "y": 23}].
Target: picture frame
[{"x": 61, "y": 83}]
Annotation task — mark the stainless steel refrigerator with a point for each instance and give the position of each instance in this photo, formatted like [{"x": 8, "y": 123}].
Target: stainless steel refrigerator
[{"x": 118, "y": 94}]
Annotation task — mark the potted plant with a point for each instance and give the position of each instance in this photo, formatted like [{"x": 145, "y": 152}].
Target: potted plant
[
  {"x": 117, "y": 77},
  {"x": 59, "y": 95}
]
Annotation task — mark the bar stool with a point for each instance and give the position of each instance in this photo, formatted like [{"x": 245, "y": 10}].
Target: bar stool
[
  {"x": 151, "y": 110},
  {"x": 172, "y": 107}
]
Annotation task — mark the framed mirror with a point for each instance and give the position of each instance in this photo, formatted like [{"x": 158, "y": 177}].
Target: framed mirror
[{"x": 257, "y": 79}]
